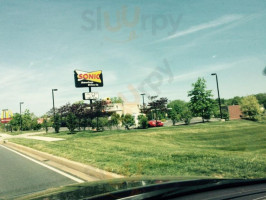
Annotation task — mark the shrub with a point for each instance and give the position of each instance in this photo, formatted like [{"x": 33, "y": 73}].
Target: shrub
[
  {"x": 250, "y": 108},
  {"x": 225, "y": 115},
  {"x": 57, "y": 123},
  {"x": 186, "y": 115},
  {"x": 174, "y": 116},
  {"x": 128, "y": 121},
  {"x": 102, "y": 122},
  {"x": 35, "y": 125},
  {"x": 45, "y": 124},
  {"x": 71, "y": 122},
  {"x": 84, "y": 123},
  {"x": 143, "y": 121},
  {"x": 115, "y": 119}
]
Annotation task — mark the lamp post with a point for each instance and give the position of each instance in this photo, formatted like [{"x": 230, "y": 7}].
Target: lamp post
[
  {"x": 4, "y": 120},
  {"x": 53, "y": 100},
  {"x": 214, "y": 74},
  {"x": 143, "y": 100},
  {"x": 20, "y": 103}
]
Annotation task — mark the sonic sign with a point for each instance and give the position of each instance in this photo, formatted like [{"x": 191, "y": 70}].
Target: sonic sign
[{"x": 88, "y": 79}]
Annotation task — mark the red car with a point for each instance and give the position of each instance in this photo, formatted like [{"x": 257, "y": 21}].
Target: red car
[{"x": 152, "y": 123}]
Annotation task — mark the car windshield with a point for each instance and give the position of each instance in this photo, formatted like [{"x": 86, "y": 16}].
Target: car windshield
[{"x": 104, "y": 90}]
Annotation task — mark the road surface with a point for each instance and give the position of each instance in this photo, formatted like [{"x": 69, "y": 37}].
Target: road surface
[{"x": 21, "y": 175}]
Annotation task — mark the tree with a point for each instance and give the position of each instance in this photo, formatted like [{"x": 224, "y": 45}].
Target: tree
[
  {"x": 109, "y": 124},
  {"x": 81, "y": 111},
  {"x": 71, "y": 122},
  {"x": 143, "y": 121},
  {"x": 15, "y": 122},
  {"x": 98, "y": 110},
  {"x": 250, "y": 108},
  {"x": 201, "y": 103},
  {"x": 50, "y": 113},
  {"x": 45, "y": 124},
  {"x": 177, "y": 106},
  {"x": 117, "y": 100},
  {"x": 57, "y": 123},
  {"x": 173, "y": 116},
  {"x": 84, "y": 123},
  {"x": 186, "y": 115},
  {"x": 115, "y": 119},
  {"x": 234, "y": 101},
  {"x": 128, "y": 121},
  {"x": 100, "y": 123},
  {"x": 35, "y": 125},
  {"x": 176, "y": 109},
  {"x": 157, "y": 105},
  {"x": 261, "y": 99},
  {"x": 27, "y": 120}
]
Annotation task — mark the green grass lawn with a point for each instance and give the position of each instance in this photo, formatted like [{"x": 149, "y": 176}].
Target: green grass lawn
[{"x": 234, "y": 149}]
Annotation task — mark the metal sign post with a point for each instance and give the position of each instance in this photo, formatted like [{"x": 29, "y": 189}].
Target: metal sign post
[{"x": 90, "y": 99}]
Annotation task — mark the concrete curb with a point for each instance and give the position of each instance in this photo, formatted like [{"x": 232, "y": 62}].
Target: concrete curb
[{"x": 86, "y": 169}]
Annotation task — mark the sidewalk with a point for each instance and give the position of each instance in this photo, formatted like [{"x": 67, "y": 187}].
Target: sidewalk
[{"x": 33, "y": 135}]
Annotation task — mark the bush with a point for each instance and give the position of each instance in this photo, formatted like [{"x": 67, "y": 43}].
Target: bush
[
  {"x": 102, "y": 122},
  {"x": 257, "y": 118},
  {"x": 45, "y": 124},
  {"x": 143, "y": 121},
  {"x": 71, "y": 122},
  {"x": 15, "y": 122},
  {"x": 128, "y": 121},
  {"x": 35, "y": 125},
  {"x": 225, "y": 115},
  {"x": 84, "y": 123},
  {"x": 57, "y": 123},
  {"x": 250, "y": 108},
  {"x": 186, "y": 115},
  {"x": 115, "y": 119},
  {"x": 174, "y": 116}
]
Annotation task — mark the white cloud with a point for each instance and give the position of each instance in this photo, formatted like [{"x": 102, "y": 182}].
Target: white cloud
[{"x": 215, "y": 23}]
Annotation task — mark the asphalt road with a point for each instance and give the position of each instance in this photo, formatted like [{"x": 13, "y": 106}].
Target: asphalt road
[{"x": 19, "y": 176}]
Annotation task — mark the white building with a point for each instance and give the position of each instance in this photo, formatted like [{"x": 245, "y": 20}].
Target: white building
[{"x": 124, "y": 108}]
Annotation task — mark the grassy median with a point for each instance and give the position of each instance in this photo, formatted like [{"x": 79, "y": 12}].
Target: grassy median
[{"x": 234, "y": 149}]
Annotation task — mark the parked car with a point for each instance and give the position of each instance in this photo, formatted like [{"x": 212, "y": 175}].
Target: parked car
[{"x": 152, "y": 123}]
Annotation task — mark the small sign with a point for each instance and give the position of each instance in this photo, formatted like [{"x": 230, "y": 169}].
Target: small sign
[
  {"x": 88, "y": 79},
  {"x": 90, "y": 95}
]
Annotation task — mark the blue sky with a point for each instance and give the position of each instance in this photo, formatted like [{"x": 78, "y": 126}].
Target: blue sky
[{"x": 156, "y": 47}]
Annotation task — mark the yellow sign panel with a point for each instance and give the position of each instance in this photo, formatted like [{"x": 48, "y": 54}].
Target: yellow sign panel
[
  {"x": 90, "y": 76},
  {"x": 88, "y": 79},
  {"x": 6, "y": 116}
]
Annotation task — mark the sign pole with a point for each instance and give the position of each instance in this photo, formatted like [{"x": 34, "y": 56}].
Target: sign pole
[{"x": 90, "y": 99}]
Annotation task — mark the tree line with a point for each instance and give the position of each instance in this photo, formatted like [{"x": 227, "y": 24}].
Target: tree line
[
  {"x": 80, "y": 115},
  {"x": 203, "y": 105}
]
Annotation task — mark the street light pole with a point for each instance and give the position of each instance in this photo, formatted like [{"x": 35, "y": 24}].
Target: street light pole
[
  {"x": 214, "y": 74},
  {"x": 20, "y": 115},
  {"x": 143, "y": 100},
  {"x": 53, "y": 100}
]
